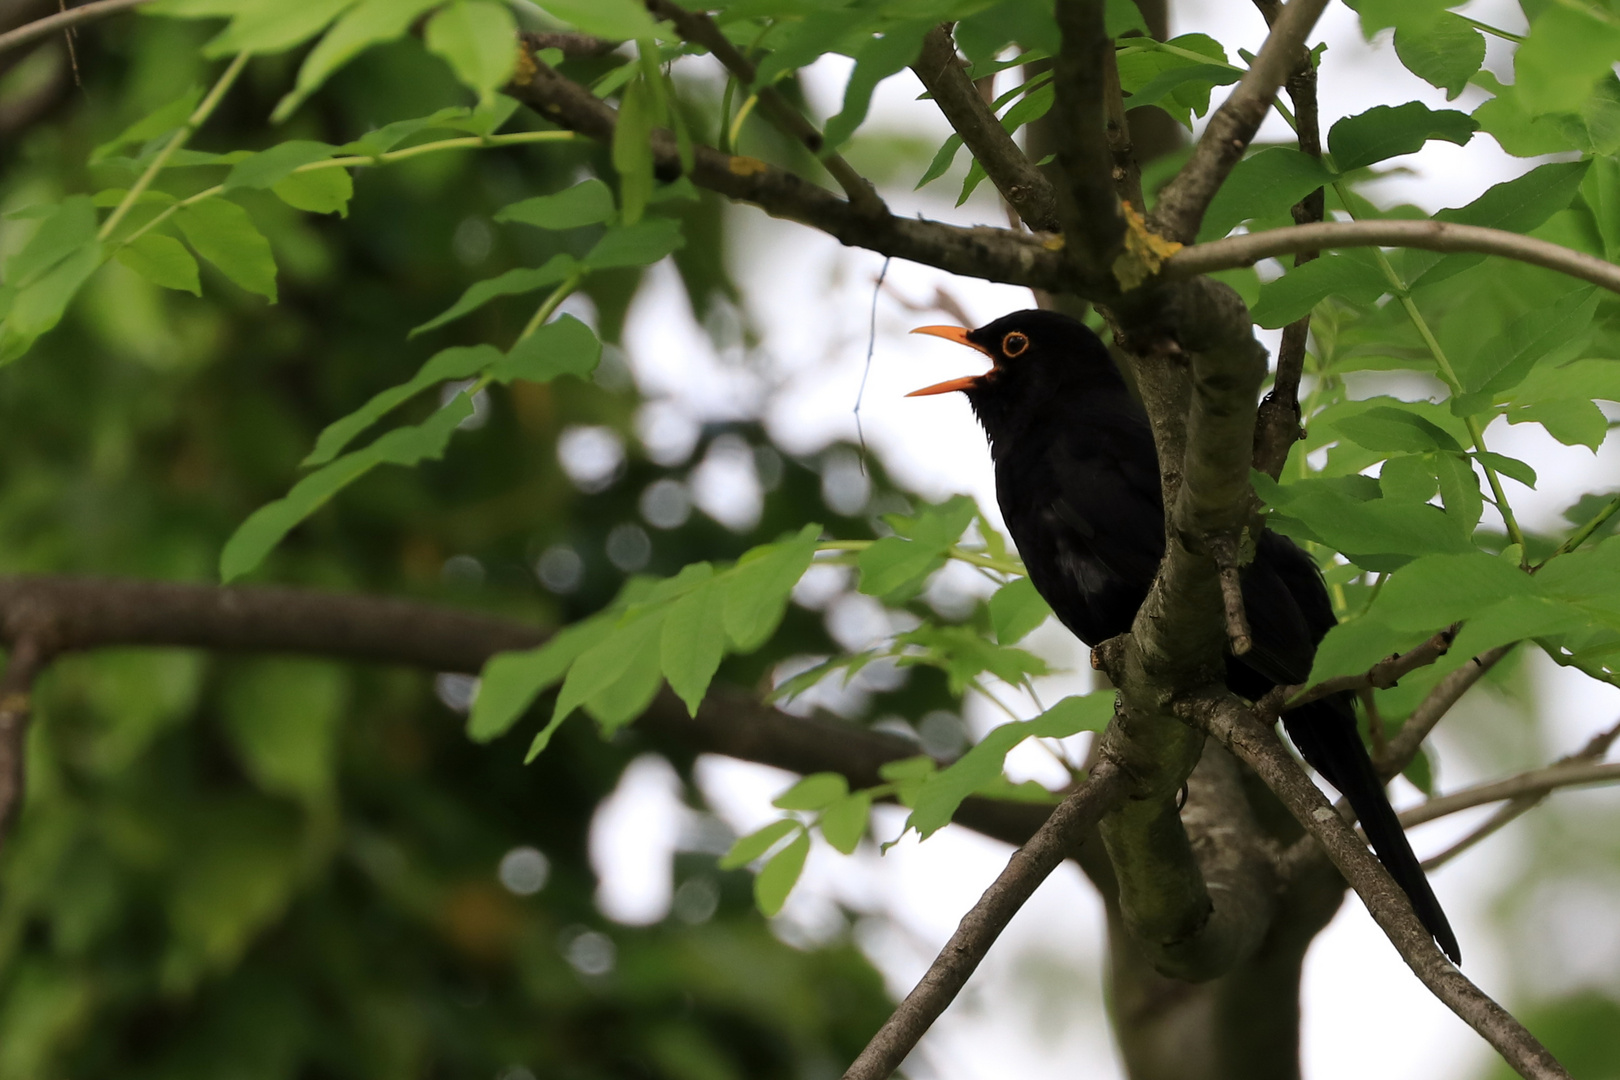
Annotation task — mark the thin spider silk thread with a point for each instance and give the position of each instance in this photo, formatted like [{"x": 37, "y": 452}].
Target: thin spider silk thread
[{"x": 871, "y": 344}]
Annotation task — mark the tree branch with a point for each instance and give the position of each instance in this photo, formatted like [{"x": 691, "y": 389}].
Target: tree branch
[
  {"x": 1404, "y": 745},
  {"x": 16, "y": 690},
  {"x": 1224, "y": 717},
  {"x": 1381, "y": 676},
  {"x": 1024, "y": 187},
  {"x": 698, "y": 28},
  {"x": 1093, "y": 225},
  {"x": 1182, "y": 202},
  {"x": 63, "y": 20},
  {"x": 991, "y": 254},
  {"x": 1536, "y": 782},
  {"x": 1029, "y": 866},
  {"x": 1278, "y": 426},
  {"x": 1250, "y": 248}
]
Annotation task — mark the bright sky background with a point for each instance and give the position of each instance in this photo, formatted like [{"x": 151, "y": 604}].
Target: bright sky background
[{"x": 1035, "y": 1009}]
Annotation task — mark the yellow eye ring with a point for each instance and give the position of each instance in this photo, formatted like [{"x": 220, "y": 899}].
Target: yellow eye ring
[{"x": 1014, "y": 344}]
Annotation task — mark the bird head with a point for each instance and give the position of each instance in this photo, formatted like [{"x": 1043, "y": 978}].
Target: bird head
[{"x": 1035, "y": 356}]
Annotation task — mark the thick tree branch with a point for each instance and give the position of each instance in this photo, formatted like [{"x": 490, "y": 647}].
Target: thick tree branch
[
  {"x": 1025, "y": 187},
  {"x": 1093, "y": 226},
  {"x": 1250, "y": 248},
  {"x": 1225, "y": 718},
  {"x": 63, "y": 20},
  {"x": 1030, "y": 865},
  {"x": 992, "y": 254},
  {"x": 1182, "y": 202},
  {"x": 1199, "y": 369},
  {"x": 697, "y": 28}
]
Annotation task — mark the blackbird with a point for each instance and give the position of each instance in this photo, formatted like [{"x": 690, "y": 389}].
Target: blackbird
[{"x": 1077, "y": 477}]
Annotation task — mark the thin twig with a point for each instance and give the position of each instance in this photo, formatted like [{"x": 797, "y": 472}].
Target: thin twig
[
  {"x": 65, "y": 20},
  {"x": 1184, "y": 199},
  {"x": 1225, "y": 718},
  {"x": 1278, "y": 423},
  {"x": 1030, "y": 865},
  {"x": 1444, "y": 236},
  {"x": 1025, "y": 187},
  {"x": 1381, "y": 676},
  {"x": 16, "y": 707},
  {"x": 1404, "y": 745},
  {"x": 699, "y": 29},
  {"x": 1126, "y": 173},
  {"x": 1536, "y": 782}
]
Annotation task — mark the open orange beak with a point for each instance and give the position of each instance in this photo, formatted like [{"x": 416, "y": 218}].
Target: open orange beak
[{"x": 960, "y": 336}]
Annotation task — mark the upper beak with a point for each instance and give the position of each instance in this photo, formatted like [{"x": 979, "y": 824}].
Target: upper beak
[{"x": 960, "y": 336}]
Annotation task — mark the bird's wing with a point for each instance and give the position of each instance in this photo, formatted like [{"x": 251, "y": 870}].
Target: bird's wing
[
  {"x": 1288, "y": 611},
  {"x": 1105, "y": 479}
]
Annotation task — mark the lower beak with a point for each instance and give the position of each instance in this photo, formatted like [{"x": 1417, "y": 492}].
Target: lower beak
[{"x": 960, "y": 336}]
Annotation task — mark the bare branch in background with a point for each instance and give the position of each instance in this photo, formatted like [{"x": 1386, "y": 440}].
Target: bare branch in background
[
  {"x": 23, "y": 665},
  {"x": 1093, "y": 225},
  {"x": 63, "y": 20},
  {"x": 1184, "y": 199}
]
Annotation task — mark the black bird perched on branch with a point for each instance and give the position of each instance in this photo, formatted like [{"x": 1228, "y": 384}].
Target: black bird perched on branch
[{"x": 1077, "y": 477}]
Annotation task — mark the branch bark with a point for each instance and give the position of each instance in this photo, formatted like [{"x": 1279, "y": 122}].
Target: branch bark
[
  {"x": 1029, "y": 866},
  {"x": 1225, "y": 718},
  {"x": 1250, "y": 248},
  {"x": 1093, "y": 225},
  {"x": 16, "y": 708},
  {"x": 1182, "y": 203},
  {"x": 1024, "y": 187},
  {"x": 63, "y": 20}
]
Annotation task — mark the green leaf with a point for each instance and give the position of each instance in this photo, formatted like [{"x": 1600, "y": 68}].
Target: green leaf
[
  {"x": 1569, "y": 48},
  {"x": 1016, "y": 609},
  {"x": 615, "y": 679},
  {"x": 760, "y": 585},
  {"x": 632, "y": 149},
  {"x": 283, "y": 716},
  {"x": 694, "y": 642},
  {"x": 1509, "y": 466},
  {"x": 221, "y": 232},
  {"x": 511, "y": 681},
  {"x": 63, "y": 230},
  {"x": 844, "y": 822},
  {"x": 1353, "y": 646},
  {"x": 1549, "y": 335},
  {"x": 814, "y": 792},
  {"x": 1176, "y": 83},
  {"x": 943, "y": 792},
  {"x": 1505, "y": 118},
  {"x": 268, "y": 166},
  {"x": 964, "y": 654},
  {"x": 512, "y": 283},
  {"x": 319, "y": 191},
  {"x": 1572, "y": 421},
  {"x": 39, "y": 306},
  {"x": 1373, "y": 532},
  {"x": 1263, "y": 185},
  {"x": 777, "y": 878},
  {"x": 1174, "y": 79},
  {"x": 1437, "y": 590},
  {"x": 1389, "y": 428},
  {"x": 750, "y": 847},
  {"x": 274, "y": 27},
  {"x": 1384, "y": 132},
  {"x": 1409, "y": 478},
  {"x": 942, "y": 161},
  {"x": 1517, "y": 205},
  {"x": 460, "y": 362},
  {"x": 641, "y": 244},
  {"x": 1459, "y": 490},
  {"x": 583, "y": 204},
  {"x": 266, "y": 526},
  {"x": 1352, "y": 275},
  {"x": 162, "y": 260},
  {"x": 371, "y": 22},
  {"x": 160, "y": 121},
  {"x": 1379, "y": 15},
  {"x": 616, "y": 20},
  {"x": 896, "y": 567},
  {"x": 478, "y": 39},
  {"x": 386, "y": 138},
  {"x": 564, "y": 346},
  {"x": 905, "y": 769},
  {"x": 875, "y": 61},
  {"x": 1445, "y": 53}
]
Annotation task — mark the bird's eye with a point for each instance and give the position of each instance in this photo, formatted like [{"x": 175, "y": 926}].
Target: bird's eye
[{"x": 1014, "y": 344}]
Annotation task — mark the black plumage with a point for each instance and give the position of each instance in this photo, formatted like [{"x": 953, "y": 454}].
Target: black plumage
[{"x": 1077, "y": 477}]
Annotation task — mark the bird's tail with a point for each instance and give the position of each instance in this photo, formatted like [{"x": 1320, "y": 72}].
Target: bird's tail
[{"x": 1325, "y": 733}]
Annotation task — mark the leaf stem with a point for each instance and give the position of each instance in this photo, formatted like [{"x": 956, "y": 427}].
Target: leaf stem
[
  {"x": 558, "y": 295},
  {"x": 1584, "y": 533},
  {"x": 193, "y": 122},
  {"x": 961, "y": 554},
  {"x": 1505, "y": 35}
]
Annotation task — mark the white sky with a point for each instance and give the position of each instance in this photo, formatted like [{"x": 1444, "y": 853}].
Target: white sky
[{"x": 1035, "y": 1008}]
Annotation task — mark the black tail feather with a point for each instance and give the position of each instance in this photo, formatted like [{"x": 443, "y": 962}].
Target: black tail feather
[{"x": 1325, "y": 734}]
